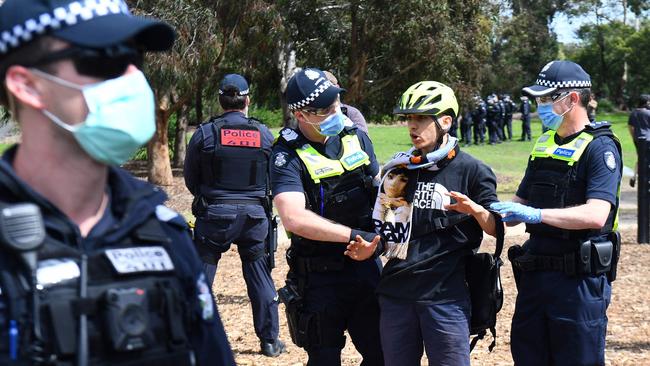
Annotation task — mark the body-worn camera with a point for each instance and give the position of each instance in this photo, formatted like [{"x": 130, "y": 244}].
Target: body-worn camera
[{"x": 127, "y": 319}]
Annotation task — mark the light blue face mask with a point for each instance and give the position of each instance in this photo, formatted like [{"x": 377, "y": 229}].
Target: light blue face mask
[
  {"x": 550, "y": 119},
  {"x": 333, "y": 124},
  {"x": 121, "y": 116}
]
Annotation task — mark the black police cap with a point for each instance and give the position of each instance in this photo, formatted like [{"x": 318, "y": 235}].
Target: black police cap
[
  {"x": 558, "y": 75},
  {"x": 85, "y": 23}
]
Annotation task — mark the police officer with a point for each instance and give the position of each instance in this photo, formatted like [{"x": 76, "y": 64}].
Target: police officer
[
  {"x": 493, "y": 115},
  {"x": 568, "y": 200},
  {"x": 501, "y": 117},
  {"x": 466, "y": 126},
  {"x": 509, "y": 108},
  {"x": 107, "y": 275},
  {"x": 226, "y": 169},
  {"x": 524, "y": 109},
  {"x": 322, "y": 175},
  {"x": 479, "y": 115}
]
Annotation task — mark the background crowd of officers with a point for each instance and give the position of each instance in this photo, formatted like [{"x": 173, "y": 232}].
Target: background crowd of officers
[{"x": 490, "y": 120}]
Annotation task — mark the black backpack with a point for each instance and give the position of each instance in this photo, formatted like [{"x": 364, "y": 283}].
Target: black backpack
[{"x": 483, "y": 275}]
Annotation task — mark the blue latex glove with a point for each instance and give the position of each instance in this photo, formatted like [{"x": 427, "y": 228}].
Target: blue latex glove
[{"x": 513, "y": 211}]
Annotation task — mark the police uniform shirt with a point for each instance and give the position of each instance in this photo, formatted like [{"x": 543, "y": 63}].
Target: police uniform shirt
[
  {"x": 640, "y": 120},
  {"x": 434, "y": 268},
  {"x": 132, "y": 202},
  {"x": 287, "y": 171},
  {"x": 598, "y": 169},
  {"x": 192, "y": 169}
]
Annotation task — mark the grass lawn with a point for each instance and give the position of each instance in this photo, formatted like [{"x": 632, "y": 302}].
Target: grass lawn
[{"x": 508, "y": 160}]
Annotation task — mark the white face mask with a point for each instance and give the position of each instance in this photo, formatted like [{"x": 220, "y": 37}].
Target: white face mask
[{"x": 121, "y": 116}]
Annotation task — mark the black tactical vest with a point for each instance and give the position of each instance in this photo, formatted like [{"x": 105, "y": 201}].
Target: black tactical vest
[
  {"x": 232, "y": 157},
  {"x": 346, "y": 199},
  {"x": 136, "y": 309},
  {"x": 554, "y": 184}
]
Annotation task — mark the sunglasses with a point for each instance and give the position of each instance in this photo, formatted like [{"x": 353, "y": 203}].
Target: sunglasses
[{"x": 104, "y": 63}]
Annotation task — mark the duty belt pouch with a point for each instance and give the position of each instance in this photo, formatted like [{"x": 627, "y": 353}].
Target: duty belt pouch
[
  {"x": 615, "y": 238},
  {"x": 302, "y": 325},
  {"x": 584, "y": 258},
  {"x": 601, "y": 254},
  {"x": 515, "y": 252}
]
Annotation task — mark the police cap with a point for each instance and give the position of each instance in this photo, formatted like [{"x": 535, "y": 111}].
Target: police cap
[
  {"x": 311, "y": 88},
  {"x": 558, "y": 75},
  {"x": 85, "y": 23},
  {"x": 233, "y": 84}
]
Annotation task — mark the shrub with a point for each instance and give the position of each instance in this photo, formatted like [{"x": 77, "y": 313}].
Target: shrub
[{"x": 605, "y": 106}]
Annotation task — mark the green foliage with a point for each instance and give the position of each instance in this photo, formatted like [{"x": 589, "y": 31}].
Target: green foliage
[
  {"x": 606, "y": 105},
  {"x": 639, "y": 63},
  {"x": 271, "y": 117}
]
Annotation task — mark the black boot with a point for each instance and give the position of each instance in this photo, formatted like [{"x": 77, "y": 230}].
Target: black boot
[{"x": 272, "y": 349}]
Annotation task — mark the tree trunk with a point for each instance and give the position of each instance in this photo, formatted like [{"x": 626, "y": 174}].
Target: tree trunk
[
  {"x": 358, "y": 60},
  {"x": 160, "y": 171},
  {"x": 182, "y": 116},
  {"x": 286, "y": 64}
]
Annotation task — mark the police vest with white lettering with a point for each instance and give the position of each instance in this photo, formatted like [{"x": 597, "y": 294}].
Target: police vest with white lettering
[
  {"x": 135, "y": 303},
  {"x": 553, "y": 180},
  {"x": 232, "y": 156},
  {"x": 337, "y": 189}
]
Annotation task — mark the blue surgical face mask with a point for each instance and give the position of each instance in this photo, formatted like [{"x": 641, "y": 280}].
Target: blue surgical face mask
[
  {"x": 550, "y": 119},
  {"x": 332, "y": 125},
  {"x": 121, "y": 116}
]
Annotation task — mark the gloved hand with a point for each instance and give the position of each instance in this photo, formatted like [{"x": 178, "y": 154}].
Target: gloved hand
[{"x": 513, "y": 211}]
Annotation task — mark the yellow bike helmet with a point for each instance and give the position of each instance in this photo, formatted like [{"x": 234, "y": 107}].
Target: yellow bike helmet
[{"x": 427, "y": 98}]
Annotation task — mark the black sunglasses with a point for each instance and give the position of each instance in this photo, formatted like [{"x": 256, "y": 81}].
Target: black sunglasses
[{"x": 104, "y": 63}]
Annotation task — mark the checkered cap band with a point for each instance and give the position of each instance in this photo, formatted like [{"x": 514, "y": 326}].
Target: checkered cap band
[
  {"x": 564, "y": 84},
  {"x": 71, "y": 14},
  {"x": 311, "y": 97}
]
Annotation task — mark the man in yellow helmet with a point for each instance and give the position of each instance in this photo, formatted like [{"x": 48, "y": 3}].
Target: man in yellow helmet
[
  {"x": 322, "y": 177},
  {"x": 422, "y": 292}
]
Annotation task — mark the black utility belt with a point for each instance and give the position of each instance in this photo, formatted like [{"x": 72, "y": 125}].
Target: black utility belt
[
  {"x": 234, "y": 201},
  {"x": 591, "y": 258}
]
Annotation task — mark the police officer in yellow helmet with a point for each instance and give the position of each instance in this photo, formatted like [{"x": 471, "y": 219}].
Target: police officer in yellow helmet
[{"x": 107, "y": 275}]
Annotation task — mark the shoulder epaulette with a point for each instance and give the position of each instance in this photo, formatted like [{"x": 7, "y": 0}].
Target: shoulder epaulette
[{"x": 598, "y": 125}]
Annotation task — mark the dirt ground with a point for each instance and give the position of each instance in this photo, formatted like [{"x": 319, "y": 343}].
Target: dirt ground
[{"x": 628, "y": 333}]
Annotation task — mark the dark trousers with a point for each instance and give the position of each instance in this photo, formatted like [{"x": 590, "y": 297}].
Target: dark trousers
[
  {"x": 352, "y": 306},
  {"x": 508, "y": 126},
  {"x": 247, "y": 226},
  {"x": 492, "y": 131},
  {"x": 479, "y": 132},
  {"x": 466, "y": 131},
  {"x": 525, "y": 129},
  {"x": 560, "y": 320},
  {"x": 409, "y": 327}
]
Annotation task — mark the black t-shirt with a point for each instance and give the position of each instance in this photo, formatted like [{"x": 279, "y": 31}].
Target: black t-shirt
[
  {"x": 434, "y": 268},
  {"x": 640, "y": 120},
  {"x": 597, "y": 171},
  {"x": 287, "y": 171}
]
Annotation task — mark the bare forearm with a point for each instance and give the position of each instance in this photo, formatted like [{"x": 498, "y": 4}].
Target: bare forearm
[
  {"x": 309, "y": 225},
  {"x": 486, "y": 220},
  {"x": 591, "y": 215}
]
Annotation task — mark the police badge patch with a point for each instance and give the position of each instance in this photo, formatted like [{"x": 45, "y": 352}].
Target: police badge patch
[
  {"x": 280, "y": 159},
  {"x": 610, "y": 161}
]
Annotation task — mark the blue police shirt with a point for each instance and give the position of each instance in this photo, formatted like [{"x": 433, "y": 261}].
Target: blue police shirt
[
  {"x": 600, "y": 177},
  {"x": 132, "y": 202},
  {"x": 287, "y": 170},
  {"x": 192, "y": 170}
]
